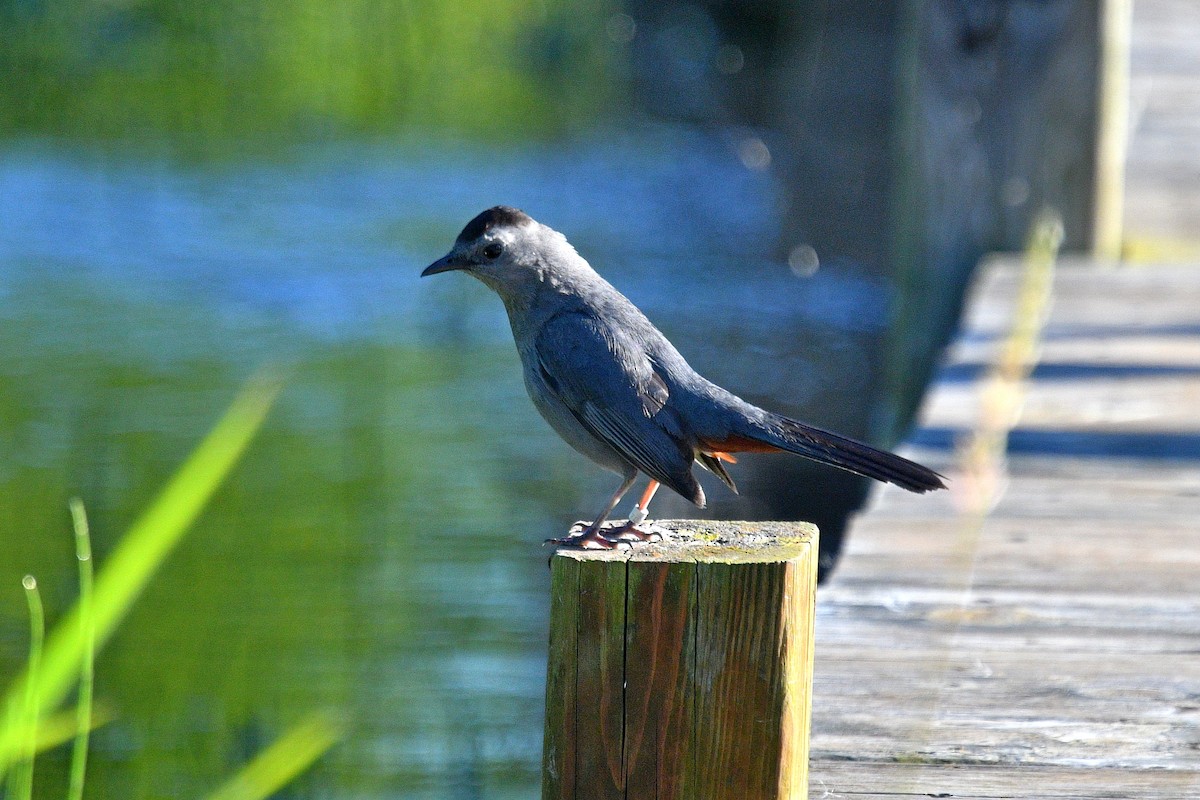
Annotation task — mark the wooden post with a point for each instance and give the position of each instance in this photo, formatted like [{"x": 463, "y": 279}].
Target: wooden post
[{"x": 683, "y": 669}]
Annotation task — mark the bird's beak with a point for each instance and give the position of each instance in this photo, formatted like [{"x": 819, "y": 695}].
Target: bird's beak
[{"x": 448, "y": 262}]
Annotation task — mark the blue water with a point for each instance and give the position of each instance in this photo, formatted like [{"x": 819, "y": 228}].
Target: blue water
[{"x": 378, "y": 552}]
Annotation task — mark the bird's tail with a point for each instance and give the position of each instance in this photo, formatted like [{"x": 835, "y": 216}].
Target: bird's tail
[{"x": 776, "y": 432}]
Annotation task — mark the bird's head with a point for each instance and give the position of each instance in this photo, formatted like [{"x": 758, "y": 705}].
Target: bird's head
[{"x": 510, "y": 252}]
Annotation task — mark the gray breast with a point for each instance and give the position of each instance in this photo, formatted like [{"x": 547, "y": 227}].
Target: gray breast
[{"x": 566, "y": 425}]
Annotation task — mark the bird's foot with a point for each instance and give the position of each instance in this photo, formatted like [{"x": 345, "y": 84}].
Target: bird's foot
[
  {"x": 585, "y": 536},
  {"x": 608, "y": 536},
  {"x": 635, "y": 532}
]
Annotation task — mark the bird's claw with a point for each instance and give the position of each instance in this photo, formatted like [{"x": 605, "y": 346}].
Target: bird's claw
[
  {"x": 630, "y": 532},
  {"x": 587, "y": 540},
  {"x": 609, "y": 536}
]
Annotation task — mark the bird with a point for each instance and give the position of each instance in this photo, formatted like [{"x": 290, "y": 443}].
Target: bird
[{"x": 617, "y": 391}]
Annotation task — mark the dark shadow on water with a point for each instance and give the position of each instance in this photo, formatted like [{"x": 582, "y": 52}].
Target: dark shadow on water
[{"x": 1167, "y": 445}]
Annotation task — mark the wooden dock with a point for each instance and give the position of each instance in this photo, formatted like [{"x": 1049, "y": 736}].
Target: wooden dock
[
  {"x": 1052, "y": 651},
  {"x": 1162, "y": 191}
]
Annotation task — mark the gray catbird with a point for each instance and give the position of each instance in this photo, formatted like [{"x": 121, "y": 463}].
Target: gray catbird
[{"x": 617, "y": 391}]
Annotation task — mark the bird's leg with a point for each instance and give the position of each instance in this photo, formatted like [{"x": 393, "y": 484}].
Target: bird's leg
[
  {"x": 641, "y": 510},
  {"x": 630, "y": 530},
  {"x": 590, "y": 536}
]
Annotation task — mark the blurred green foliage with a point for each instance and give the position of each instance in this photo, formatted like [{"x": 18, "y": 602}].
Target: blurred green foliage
[
  {"x": 32, "y": 700},
  {"x": 324, "y": 574},
  {"x": 221, "y": 72}
]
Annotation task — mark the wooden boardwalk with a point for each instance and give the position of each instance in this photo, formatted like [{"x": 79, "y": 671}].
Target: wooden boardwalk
[
  {"x": 1054, "y": 650},
  {"x": 1162, "y": 196}
]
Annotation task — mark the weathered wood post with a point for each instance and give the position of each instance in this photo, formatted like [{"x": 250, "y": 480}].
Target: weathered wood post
[{"x": 683, "y": 669}]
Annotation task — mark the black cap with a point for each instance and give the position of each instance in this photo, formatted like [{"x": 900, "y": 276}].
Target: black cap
[{"x": 493, "y": 217}]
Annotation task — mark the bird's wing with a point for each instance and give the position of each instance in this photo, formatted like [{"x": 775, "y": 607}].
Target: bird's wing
[{"x": 610, "y": 385}]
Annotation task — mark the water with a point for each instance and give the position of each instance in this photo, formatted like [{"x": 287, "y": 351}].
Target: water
[{"x": 378, "y": 550}]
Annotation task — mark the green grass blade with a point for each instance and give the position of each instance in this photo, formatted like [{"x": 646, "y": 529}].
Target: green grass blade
[
  {"x": 276, "y": 766},
  {"x": 52, "y": 730},
  {"x": 87, "y": 632},
  {"x": 143, "y": 548},
  {"x": 20, "y": 784}
]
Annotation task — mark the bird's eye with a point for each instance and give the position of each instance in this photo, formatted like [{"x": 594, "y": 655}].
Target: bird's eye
[{"x": 493, "y": 251}]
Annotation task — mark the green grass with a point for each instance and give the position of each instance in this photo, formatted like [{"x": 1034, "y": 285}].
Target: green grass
[
  {"x": 87, "y": 635},
  {"x": 290, "y": 755},
  {"x": 24, "y": 706},
  {"x": 56, "y": 663}
]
